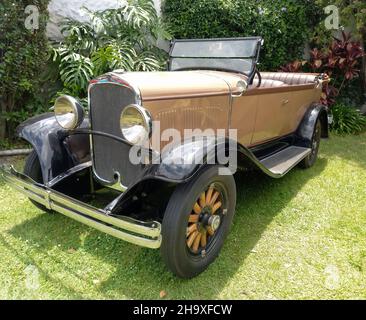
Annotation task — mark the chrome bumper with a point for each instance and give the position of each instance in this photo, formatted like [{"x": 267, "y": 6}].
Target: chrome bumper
[{"x": 145, "y": 234}]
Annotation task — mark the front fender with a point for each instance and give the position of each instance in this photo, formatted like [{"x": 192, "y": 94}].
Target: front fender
[
  {"x": 178, "y": 163},
  {"x": 306, "y": 129},
  {"x": 57, "y": 152}
]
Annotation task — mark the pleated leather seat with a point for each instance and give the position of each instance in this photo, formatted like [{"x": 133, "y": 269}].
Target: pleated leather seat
[
  {"x": 267, "y": 84},
  {"x": 290, "y": 78}
]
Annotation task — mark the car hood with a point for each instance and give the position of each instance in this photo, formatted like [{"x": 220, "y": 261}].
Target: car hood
[{"x": 180, "y": 84}]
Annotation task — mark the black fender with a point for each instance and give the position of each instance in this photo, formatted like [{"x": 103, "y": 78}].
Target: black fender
[
  {"x": 175, "y": 163},
  {"x": 306, "y": 128},
  {"x": 57, "y": 151}
]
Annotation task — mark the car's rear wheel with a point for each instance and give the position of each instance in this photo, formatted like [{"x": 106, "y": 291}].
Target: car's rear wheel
[
  {"x": 196, "y": 222},
  {"x": 32, "y": 169},
  {"x": 310, "y": 159}
]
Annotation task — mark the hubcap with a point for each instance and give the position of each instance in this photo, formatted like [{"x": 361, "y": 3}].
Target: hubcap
[
  {"x": 205, "y": 220},
  {"x": 214, "y": 222}
]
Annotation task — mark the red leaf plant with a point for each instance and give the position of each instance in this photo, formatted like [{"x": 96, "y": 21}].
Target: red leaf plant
[{"x": 340, "y": 61}]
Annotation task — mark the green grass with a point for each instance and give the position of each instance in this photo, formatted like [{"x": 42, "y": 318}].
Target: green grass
[{"x": 301, "y": 237}]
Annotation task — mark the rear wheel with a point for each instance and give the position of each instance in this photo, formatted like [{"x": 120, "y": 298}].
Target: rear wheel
[
  {"x": 32, "y": 169},
  {"x": 196, "y": 222},
  {"x": 310, "y": 159}
]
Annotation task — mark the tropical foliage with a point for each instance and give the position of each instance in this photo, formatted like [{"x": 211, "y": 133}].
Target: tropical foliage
[
  {"x": 347, "y": 120},
  {"x": 123, "y": 38},
  {"x": 341, "y": 61}
]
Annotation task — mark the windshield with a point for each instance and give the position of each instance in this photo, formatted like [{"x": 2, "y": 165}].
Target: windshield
[{"x": 236, "y": 55}]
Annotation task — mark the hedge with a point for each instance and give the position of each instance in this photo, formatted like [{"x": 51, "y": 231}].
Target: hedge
[
  {"x": 23, "y": 54},
  {"x": 285, "y": 25}
]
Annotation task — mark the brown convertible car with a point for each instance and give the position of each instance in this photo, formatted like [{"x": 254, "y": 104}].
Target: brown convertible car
[{"x": 166, "y": 146}]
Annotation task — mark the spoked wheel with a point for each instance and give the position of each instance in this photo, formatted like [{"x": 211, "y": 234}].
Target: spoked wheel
[
  {"x": 196, "y": 222},
  {"x": 310, "y": 160},
  {"x": 206, "y": 218}
]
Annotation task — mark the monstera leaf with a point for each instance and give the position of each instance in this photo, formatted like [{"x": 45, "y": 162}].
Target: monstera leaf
[
  {"x": 139, "y": 13},
  {"x": 80, "y": 38},
  {"x": 114, "y": 56},
  {"x": 147, "y": 61},
  {"x": 75, "y": 72}
]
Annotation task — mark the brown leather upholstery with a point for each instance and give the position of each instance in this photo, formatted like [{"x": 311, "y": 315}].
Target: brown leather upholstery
[
  {"x": 267, "y": 83},
  {"x": 290, "y": 78}
]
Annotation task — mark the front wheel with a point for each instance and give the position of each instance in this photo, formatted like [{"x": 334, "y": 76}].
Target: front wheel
[{"x": 196, "y": 222}]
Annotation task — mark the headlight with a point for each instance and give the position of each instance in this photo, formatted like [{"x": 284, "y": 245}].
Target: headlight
[
  {"x": 68, "y": 112},
  {"x": 136, "y": 124}
]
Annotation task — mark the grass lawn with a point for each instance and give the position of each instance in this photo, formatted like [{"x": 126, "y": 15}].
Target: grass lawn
[{"x": 301, "y": 237}]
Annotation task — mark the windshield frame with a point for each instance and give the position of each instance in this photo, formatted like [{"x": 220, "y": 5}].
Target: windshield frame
[{"x": 253, "y": 58}]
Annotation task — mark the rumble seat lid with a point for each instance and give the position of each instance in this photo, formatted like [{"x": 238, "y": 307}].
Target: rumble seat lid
[{"x": 181, "y": 84}]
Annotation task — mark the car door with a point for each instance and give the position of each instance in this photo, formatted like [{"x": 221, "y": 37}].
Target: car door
[
  {"x": 301, "y": 97},
  {"x": 243, "y": 115},
  {"x": 273, "y": 110}
]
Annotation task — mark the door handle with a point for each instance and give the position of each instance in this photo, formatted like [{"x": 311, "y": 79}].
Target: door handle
[{"x": 286, "y": 101}]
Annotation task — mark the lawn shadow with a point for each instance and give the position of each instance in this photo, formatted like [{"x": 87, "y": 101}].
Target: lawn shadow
[{"x": 139, "y": 273}]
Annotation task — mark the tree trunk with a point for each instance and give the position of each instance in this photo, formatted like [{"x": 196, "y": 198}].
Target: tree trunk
[
  {"x": 364, "y": 74},
  {"x": 2, "y": 119},
  {"x": 7, "y": 103}
]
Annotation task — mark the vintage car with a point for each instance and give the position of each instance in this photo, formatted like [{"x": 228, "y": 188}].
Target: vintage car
[{"x": 178, "y": 195}]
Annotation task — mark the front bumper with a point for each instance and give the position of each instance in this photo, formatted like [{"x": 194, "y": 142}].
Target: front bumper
[{"x": 145, "y": 234}]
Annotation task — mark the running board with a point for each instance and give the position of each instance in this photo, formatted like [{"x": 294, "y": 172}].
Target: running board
[{"x": 283, "y": 161}]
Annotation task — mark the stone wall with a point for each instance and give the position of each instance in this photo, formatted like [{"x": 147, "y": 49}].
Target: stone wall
[{"x": 60, "y": 9}]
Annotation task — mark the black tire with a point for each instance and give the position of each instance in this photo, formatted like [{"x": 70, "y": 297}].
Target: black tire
[
  {"x": 310, "y": 159},
  {"x": 175, "y": 252},
  {"x": 32, "y": 169}
]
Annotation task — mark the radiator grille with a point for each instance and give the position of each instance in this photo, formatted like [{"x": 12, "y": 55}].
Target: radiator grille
[{"x": 107, "y": 100}]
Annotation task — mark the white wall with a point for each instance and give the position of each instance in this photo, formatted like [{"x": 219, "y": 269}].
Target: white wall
[{"x": 60, "y": 9}]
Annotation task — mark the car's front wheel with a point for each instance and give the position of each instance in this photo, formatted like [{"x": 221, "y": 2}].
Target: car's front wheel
[{"x": 196, "y": 222}]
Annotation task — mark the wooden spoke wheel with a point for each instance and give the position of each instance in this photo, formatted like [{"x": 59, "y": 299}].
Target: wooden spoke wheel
[
  {"x": 197, "y": 220},
  {"x": 205, "y": 219}
]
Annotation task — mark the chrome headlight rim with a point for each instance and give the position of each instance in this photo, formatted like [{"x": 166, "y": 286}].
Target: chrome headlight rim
[
  {"x": 147, "y": 119},
  {"x": 75, "y": 108}
]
